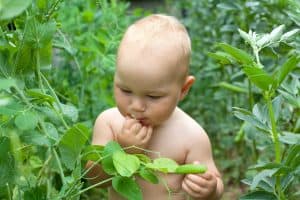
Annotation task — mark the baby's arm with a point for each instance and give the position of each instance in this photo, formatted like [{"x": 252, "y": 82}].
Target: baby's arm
[
  {"x": 102, "y": 134},
  {"x": 207, "y": 186}
]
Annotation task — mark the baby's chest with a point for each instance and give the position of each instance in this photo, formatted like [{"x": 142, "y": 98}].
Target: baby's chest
[{"x": 169, "y": 147}]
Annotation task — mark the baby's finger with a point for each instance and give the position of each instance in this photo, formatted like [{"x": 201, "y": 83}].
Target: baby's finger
[
  {"x": 196, "y": 179},
  {"x": 193, "y": 190},
  {"x": 135, "y": 128},
  {"x": 142, "y": 133},
  {"x": 128, "y": 123},
  {"x": 149, "y": 134}
]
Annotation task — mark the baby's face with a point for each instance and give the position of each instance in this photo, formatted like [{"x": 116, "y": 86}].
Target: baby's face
[{"x": 146, "y": 89}]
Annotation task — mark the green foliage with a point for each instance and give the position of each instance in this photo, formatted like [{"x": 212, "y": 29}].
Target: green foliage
[{"x": 277, "y": 178}]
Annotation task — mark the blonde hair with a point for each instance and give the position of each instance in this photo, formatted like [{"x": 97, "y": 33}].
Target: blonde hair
[{"x": 164, "y": 29}]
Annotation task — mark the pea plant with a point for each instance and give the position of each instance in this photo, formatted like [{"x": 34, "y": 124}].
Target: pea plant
[
  {"x": 124, "y": 168},
  {"x": 44, "y": 145},
  {"x": 273, "y": 118}
]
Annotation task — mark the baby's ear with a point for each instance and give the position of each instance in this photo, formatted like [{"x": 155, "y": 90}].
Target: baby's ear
[{"x": 189, "y": 80}]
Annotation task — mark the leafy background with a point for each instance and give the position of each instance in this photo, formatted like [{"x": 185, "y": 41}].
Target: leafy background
[{"x": 57, "y": 61}]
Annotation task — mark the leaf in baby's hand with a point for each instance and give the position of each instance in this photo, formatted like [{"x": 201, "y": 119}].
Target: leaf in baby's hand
[
  {"x": 165, "y": 165},
  {"x": 148, "y": 175},
  {"x": 127, "y": 188},
  {"x": 125, "y": 164},
  {"x": 107, "y": 161}
]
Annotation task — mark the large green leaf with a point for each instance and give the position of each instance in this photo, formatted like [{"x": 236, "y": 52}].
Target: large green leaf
[
  {"x": 259, "y": 77},
  {"x": 107, "y": 161},
  {"x": 240, "y": 55},
  {"x": 72, "y": 143},
  {"x": 12, "y": 8},
  {"x": 285, "y": 69},
  {"x": 125, "y": 164},
  {"x": 26, "y": 120},
  {"x": 127, "y": 188}
]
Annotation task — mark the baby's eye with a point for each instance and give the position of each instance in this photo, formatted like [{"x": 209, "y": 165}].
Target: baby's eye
[
  {"x": 153, "y": 97},
  {"x": 126, "y": 91}
]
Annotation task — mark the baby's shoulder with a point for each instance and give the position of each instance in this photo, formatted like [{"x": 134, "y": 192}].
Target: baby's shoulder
[
  {"x": 109, "y": 115},
  {"x": 187, "y": 123}
]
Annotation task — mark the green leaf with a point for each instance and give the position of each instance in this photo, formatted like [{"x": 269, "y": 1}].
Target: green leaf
[
  {"x": 12, "y": 8},
  {"x": 259, "y": 77},
  {"x": 247, "y": 116},
  {"x": 289, "y": 34},
  {"x": 93, "y": 153},
  {"x": 222, "y": 57},
  {"x": 125, "y": 164},
  {"x": 7, "y": 162},
  {"x": 232, "y": 87},
  {"x": 148, "y": 175},
  {"x": 68, "y": 111},
  {"x": 40, "y": 96},
  {"x": 35, "y": 138},
  {"x": 26, "y": 120},
  {"x": 240, "y": 55},
  {"x": 165, "y": 165},
  {"x": 262, "y": 177},
  {"x": 258, "y": 195},
  {"x": 36, "y": 193},
  {"x": 292, "y": 153},
  {"x": 7, "y": 83},
  {"x": 127, "y": 188},
  {"x": 290, "y": 138},
  {"x": 286, "y": 68},
  {"x": 107, "y": 161},
  {"x": 72, "y": 143},
  {"x": 143, "y": 158}
]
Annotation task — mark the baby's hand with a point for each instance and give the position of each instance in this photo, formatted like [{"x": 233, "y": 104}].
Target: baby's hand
[
  {"x": 134, "y": 133},
  {"x": 200, "y": 186}
]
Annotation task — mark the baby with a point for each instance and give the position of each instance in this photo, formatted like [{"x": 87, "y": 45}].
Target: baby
[{"x": 151, "y": 77}]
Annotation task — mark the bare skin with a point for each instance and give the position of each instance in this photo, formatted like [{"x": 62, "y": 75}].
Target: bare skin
[
  {"x": 187, "y": 136},
  {"x": 150, "y": 79}
]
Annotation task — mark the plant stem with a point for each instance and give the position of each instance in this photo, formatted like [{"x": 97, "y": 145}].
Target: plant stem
[
  {"x": 274, "y": 128},
  {"x": 276, "y": 142},
  {"x": 57, "y": 101},
  {"x": 61, "y": 172},
  {"x": 93, "y": 186},
  {"x": 38, "y": 70}
]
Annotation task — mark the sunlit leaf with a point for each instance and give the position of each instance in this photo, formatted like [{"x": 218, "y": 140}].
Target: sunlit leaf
[
  {"x": 259, "y": 77},
  {"x": 125, "y": 164},
  {"x": 240, "y": 55},
  {"x": 107, "y": 161}
]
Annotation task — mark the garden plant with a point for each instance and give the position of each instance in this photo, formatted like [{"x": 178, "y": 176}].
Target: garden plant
[{"x": 56, "y": 70}]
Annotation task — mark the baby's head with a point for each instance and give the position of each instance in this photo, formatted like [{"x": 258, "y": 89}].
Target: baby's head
[
  {"x": 153, "y": 61},
  {"x": 157, "y": 39}
]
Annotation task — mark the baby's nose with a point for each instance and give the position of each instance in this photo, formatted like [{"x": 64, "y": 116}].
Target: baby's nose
[{"x": 138, "y": 105}]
